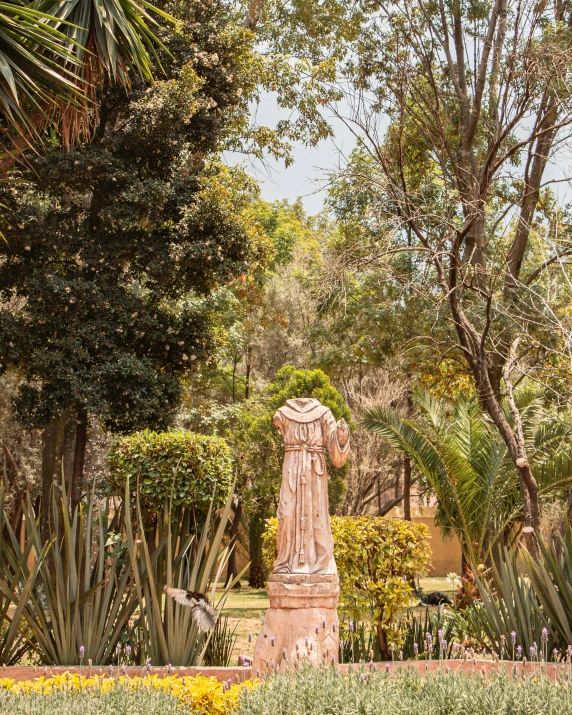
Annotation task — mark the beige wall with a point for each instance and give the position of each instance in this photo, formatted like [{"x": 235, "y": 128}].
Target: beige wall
[{"x": 446, "y": 552}]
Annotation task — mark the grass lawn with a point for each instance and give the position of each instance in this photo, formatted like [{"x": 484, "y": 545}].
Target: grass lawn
[{"x": 245, "y": 608}]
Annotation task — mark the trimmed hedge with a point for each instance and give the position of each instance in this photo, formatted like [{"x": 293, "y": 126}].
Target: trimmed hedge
[{"x": 185, "y": 464}]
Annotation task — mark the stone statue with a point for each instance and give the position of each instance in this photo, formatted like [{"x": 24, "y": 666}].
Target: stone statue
[
  {"x": 302, "y": 621},
  {"x": 304, "y": 541}
]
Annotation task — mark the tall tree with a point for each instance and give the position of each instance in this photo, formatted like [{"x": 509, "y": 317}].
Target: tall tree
[
  {"x": 459, "y": 110},
  {"x": 109, "y": 246}
]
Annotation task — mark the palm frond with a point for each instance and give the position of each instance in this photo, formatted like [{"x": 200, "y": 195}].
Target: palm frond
[{"x": 37, "y": 66}]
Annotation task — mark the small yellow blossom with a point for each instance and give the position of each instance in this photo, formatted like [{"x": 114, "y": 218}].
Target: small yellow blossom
[{"x": 205, "y": 695}]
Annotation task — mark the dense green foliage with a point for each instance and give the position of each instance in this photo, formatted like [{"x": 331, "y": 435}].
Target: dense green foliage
[
  {"x": 107, "y": 243},
  {"x": 378, "y": 560},
  {"x": 189, "y": 469}
]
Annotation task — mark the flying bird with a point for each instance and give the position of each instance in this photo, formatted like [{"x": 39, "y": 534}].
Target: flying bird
[{"x": 202, "y": 612}]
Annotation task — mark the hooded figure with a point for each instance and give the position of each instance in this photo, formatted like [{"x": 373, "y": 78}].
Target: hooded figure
[{"x": 304, "y": 540}]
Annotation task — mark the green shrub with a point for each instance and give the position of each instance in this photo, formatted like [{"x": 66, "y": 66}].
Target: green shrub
[
  {"x": 325, "y": 691},
  {"x": 184, "y": 465},
  {"x": 377, "y": 559}
]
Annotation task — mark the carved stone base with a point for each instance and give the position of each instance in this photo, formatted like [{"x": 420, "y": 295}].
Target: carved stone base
[{"x": 301, "y": 623}]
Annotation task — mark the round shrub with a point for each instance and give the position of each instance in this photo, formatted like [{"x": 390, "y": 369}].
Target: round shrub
[
  {"x": 377, "y": 559},
  {"x": 184, "y": 465}
]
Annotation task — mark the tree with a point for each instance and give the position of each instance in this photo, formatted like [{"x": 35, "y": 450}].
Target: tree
[
  {"x": 56, "y": 56},
  {"x": 466, "y": 464},
  {"x": 110, "y": 246},
  {"x": 260, "y": 449},
  {"x": 459, "y": 110}
]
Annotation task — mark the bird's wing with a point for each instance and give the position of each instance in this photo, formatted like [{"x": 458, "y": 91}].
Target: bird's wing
[{"x": 201, "y": 611}]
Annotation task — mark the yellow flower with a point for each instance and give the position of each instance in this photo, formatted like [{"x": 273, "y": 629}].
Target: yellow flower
[{"x": 204, "y": 694}]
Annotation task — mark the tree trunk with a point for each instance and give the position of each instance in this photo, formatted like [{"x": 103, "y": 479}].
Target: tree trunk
[
  {"x": 382, "y": 642},
  {"x": 232, "y": 568},
  {"x": 257, "y": 576},
  {"x": 407, "y": 488},
  {"x": 248, "y": 371},
  {"x": 52, "y": 455},
  {"x": 79, "y": 457}
]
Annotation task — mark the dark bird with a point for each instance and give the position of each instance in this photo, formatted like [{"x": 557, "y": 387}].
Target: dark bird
[
  {"x": 435, "y": 599},
  {"x": 202, "y": 612}
]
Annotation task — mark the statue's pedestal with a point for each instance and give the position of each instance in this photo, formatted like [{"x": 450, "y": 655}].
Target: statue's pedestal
[{"x": 301, "y": 623}]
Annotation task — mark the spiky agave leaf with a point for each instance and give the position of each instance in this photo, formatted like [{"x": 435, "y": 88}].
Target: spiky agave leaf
[{"x": 169, "y": 632}]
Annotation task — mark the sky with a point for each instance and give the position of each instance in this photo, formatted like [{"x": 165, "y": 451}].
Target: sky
[{"x": 306, "y": 178}]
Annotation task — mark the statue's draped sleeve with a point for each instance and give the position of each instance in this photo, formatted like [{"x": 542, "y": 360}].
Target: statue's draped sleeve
[
  {"x": 337, "y": 441},
  {"x": 277, "y": 419}
]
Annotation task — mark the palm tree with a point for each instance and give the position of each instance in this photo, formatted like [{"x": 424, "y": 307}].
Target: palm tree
[
  {"x": 54, "y": 55},
  {"x": 32, "y": 52},
  {"x": 464, "y": 461}
]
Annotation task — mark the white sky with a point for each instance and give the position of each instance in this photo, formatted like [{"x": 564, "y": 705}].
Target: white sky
[{"x": 307, "y": 176}]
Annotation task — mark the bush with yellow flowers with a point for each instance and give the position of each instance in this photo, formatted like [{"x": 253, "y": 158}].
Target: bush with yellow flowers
[
  {"x": 84, "y": 695},
  {"x": 377, "y": 560}
]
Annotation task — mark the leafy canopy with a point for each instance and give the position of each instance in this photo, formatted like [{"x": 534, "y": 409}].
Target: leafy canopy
[{"x": 110, "y": 246}]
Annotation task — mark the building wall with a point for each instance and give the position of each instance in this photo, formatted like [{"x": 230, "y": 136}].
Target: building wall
[{"x": 446, "y": 552}]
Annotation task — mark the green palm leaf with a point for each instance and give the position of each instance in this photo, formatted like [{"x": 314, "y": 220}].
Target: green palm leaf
[
  {"x": 32, "y": 52},
  {"x": 466, "y": 464},
  {"x": 117, "y": 33}
]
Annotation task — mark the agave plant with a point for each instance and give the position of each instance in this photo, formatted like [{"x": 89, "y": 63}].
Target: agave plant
[
  {"x": 82, "y": 596},
  {"x": 509, "y": 613},
  {"x": 551, "y": 578},
  {"x": 169, "y": 633},
  {"x": 16, "y": 583},
  {"x": 441, "y": 625},
  {"x": 465, "y": 462},
  {"x": 221, "y": 643}
]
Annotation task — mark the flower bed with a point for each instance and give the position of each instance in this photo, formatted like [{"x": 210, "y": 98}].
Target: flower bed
[
  {"x": 498, "y": 689},
  {"x": 71, "y": 693}
]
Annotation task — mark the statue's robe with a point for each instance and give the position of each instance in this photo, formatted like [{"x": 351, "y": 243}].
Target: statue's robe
[{"x": 304, "y": 539}]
